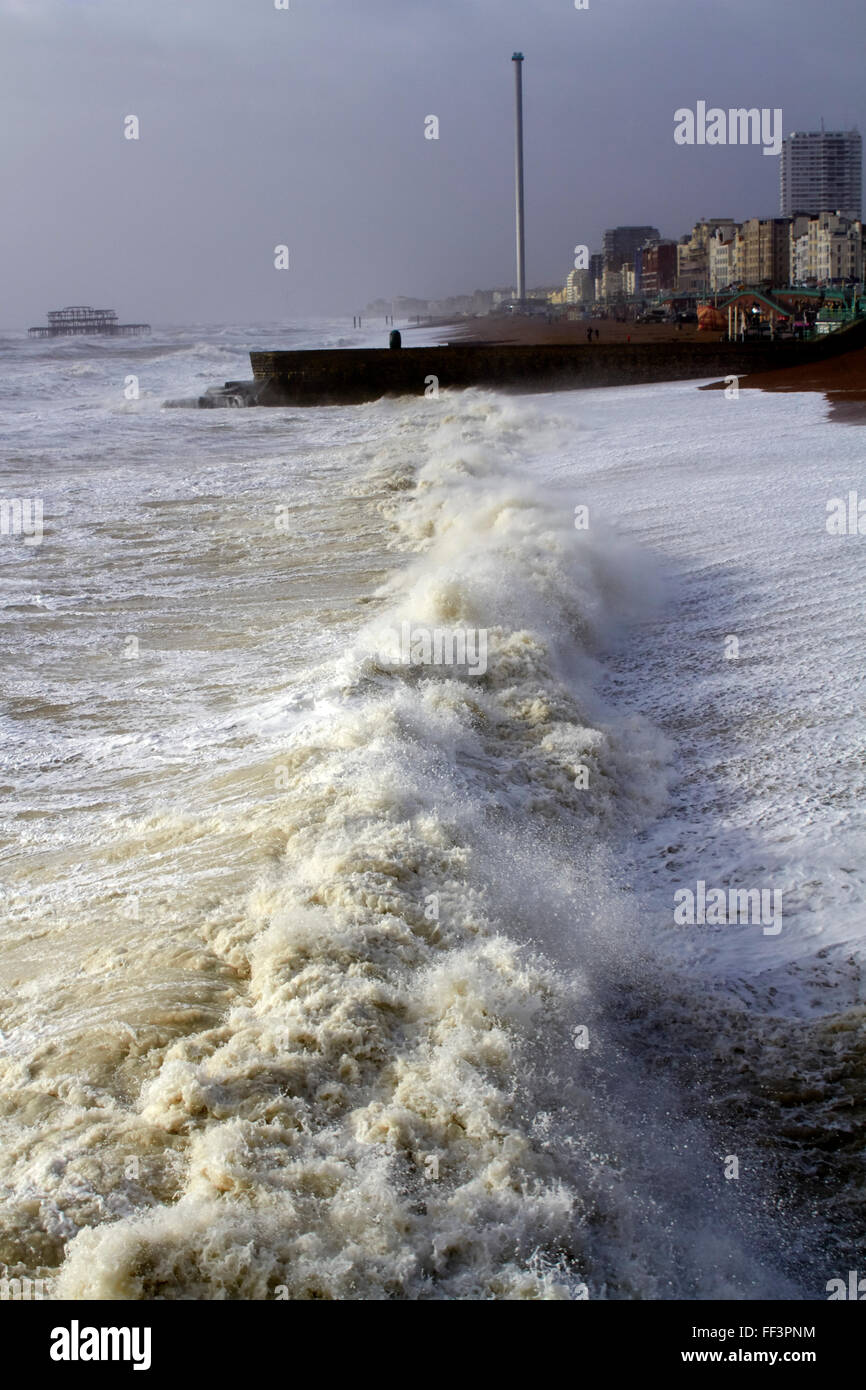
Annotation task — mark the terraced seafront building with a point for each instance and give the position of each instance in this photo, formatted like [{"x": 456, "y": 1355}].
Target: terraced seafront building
[{"x": 78, "y": 320}]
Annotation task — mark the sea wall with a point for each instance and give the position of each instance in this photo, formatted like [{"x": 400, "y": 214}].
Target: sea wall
[{"x": 346, "y": 376}]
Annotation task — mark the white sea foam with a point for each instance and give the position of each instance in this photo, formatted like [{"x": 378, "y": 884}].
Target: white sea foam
[{"x": 293, "y": 1004}]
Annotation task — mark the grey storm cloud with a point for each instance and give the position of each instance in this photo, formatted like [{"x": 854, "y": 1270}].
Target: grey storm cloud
[{"x": 305, "y": 127}]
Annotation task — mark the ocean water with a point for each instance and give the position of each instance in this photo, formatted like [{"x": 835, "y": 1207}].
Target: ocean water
[{"x": 325, "y": 975}]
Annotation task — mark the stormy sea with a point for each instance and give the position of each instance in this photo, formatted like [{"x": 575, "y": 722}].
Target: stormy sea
[{"x": 432, "y": 837}]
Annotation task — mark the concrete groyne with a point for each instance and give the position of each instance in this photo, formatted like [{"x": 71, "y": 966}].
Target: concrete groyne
[{"x": 347, "y": 376}]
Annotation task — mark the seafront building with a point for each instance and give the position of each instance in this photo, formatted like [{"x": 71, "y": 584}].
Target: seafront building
[
  {"x": 693, "y": 254},
  {"x": 822, "y": 170},
  {"x": 725, "y": 258},
  {"x": 657, "y": 268},
  {"x": 819, "y": 249},
  {"x": 580, "y": 287},
  {"x": 766, "y": 250},
  {"x": 826, "y": 249},
  {"x": 620, "y": 243},
  {"x": 719, "y": 254},
  {"x": 816, "y": 242}
]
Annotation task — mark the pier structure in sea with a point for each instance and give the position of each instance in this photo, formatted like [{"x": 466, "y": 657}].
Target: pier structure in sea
[{"x": 78, "y": 320}]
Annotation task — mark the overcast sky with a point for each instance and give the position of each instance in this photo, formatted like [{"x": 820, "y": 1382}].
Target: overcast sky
[{"x": 305, "y": 127}]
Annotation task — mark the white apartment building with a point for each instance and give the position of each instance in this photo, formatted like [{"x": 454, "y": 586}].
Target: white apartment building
[
  {"x": 614, "y": 283},
  {"x": 822, "y": 169},
  {"x": 579, "y": 287},
  {"x": 725, "y": 254},
  {"x": 826, "y": 248}
]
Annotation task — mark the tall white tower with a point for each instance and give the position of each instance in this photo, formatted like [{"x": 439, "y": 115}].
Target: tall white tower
[{"x": 517, "y": 60}]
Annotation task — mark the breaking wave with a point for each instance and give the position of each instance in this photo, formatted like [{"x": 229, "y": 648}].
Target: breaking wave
[{"x": 422, "y": 1085}]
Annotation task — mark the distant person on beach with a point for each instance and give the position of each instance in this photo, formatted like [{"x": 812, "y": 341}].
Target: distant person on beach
[
  {"x": 589, "y": 335},
  {"x": 597, "y": 335}
]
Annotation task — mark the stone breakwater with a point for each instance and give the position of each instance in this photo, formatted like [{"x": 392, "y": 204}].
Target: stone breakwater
[{"x": 353, "y": 375}]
